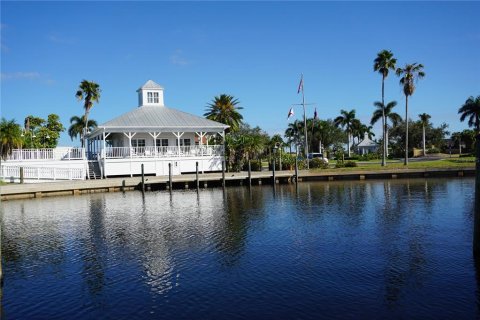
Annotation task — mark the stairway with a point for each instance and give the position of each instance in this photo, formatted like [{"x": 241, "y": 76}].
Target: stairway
[{"x": 94, "y": 171}]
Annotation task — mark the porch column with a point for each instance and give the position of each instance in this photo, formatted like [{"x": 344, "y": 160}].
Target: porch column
[
  {"x": 178, "y": 135},
  {"x": 130, "y": 135},
  {"x": 155, "y": 135}
]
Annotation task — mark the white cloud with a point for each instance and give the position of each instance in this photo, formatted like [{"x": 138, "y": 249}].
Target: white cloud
[
  {"x": 177, "y": 58},
  {"x": 20, "y": 76}
]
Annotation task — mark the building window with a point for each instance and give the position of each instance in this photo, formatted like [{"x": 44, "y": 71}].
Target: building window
[
  {"x": 138, "y": 143},
  {"x": 183, "y": 142},
  {"x": 152, "y": 97},
  {"x": 161, "y": 142}
]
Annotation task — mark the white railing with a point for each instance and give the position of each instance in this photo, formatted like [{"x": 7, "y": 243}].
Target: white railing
[
  {"x": 47, "y": 154},
  {"x": 42, "y": 173},
  {"x": 162, "y": 152}
]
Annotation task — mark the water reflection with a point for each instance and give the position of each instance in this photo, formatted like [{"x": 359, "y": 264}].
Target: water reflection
[{"x": 366, "y": 249}]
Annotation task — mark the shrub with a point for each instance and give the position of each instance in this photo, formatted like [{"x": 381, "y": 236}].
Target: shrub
[
  {"x": 340, "y": 164},
  {"x": 350, "y": 164},
  {"x": 466, "y": 155},
  {"x": 255, "y": 165},
  {"x": 433, "y": 150},
  {"x": 318, "y": 163}
]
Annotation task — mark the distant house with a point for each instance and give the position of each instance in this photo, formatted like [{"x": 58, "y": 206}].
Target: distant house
[
  {"x": 160, "y": 138},
  {"x": 367, "y": 146}
]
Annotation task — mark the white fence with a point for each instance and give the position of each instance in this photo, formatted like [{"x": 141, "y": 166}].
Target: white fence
[
  {"x": 162, "y": 152},
  {"x": 41, "y": 173},
  {"x": 47, "y": 154}
]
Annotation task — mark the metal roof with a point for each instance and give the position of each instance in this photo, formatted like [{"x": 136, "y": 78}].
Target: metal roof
[
  {"x": 155, "y": 118},
  {"x": 367, "y": 143},
  {"x": 150, "y": 85}
]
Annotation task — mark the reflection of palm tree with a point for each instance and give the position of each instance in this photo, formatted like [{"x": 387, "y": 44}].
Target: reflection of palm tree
[
  {"x": 409, "y": 75},
  {"x": 78, "y": 127}
]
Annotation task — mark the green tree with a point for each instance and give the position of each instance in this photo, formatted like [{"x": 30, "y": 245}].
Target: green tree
[
  {"x": 424, "y": 117},
  {"x": 385, "y": 113},
  {"x": 294, "y": 134},
  {"x": 409, "y": 75},
  {"x": 89, "y": 92},
  {"x": 10, "y": 136},
  {"x": 383, "y": 63},
  {"x": 327, "y": 134},
  {"x": 224, "y": 109},
  {"x": 346, "y": 121},
  {"x": 77, "y": 127},
  {"x": 471, "y": 110},
  {"x": 43, "y": 133}
]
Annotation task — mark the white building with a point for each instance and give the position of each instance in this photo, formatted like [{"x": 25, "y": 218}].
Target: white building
[
  {"x": 151, "y": 134},
  {"x": 367, "y": 146}
]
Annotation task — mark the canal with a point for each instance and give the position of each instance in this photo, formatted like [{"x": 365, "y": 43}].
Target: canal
[{"x": 398, "y": 249}]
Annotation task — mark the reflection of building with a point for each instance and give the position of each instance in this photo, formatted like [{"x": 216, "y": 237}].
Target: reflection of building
[
  {"x": 151, "y": 134},
  {"x": 155, "y": 136},
  {"x": 367, "y": 146}
]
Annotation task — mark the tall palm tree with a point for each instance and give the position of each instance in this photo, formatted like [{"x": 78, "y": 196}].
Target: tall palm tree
[
  {"x": 471, "y": 110},
  {"x": 294, "y": 134},
  {"x": 78, "y": 127},
  {"x": 385, "y": 113},
  {"x": 383, "y": 63},
  {"x": 409, "y": 76},
  {"x": 424, "y": 121},
  {"x": 10, "y": 137},
  {"x": 89, "y": 92},
  {"x": 224, "y": 109},
  {"x": 345, "y": 120}
]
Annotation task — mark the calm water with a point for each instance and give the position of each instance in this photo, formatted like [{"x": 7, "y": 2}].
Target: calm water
[{"x": 344, "y": 250}]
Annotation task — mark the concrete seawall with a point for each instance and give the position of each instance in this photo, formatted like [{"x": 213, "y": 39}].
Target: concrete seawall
[{"x": 37, "y": 190}]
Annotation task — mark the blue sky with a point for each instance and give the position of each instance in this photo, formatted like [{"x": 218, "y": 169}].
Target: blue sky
[{"x": 255, "y": 51}]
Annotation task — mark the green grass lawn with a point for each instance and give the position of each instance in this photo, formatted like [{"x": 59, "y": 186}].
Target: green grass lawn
[{"x": 432, "y": 164}]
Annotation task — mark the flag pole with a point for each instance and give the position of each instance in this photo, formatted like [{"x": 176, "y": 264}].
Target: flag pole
[{"x": 305, "y": 124}]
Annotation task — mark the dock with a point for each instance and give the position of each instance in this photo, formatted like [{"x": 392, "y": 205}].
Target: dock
[{"x": 189, "y": 181}]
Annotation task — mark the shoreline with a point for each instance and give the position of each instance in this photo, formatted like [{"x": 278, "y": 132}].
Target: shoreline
[{"x": 188, "y": 181}]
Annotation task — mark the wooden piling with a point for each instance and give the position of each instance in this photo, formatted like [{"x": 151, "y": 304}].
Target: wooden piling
[
  {"x": 143, "y": 178},
  {"x": 273, "y": 172},
  {"x": 223, "y": 174},
  {"x": 21, "y": 174},
  {"x": 123, "y": 185},
  {"x": 170, "y": 183},
  {"x": 249, "y": 174},
  {"x": 296, "y": 170},
  {"x": 476, "y": 220},
  {"x": 196, "y": 176}
]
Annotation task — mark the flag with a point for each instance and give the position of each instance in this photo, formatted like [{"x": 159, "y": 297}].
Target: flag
[
  {"x": 315, "y": 116},
  {"x": 290, "y": 113},
  {"x": 300, "y": 85}
]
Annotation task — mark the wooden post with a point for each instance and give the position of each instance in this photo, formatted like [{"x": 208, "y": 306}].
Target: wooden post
[
  {"x": 249, "y": 174},
  {"x": 123, "y": 185},
  {"x": 476, "y": 221},
  {"x": 196, "y": 173},
  {"x": 143, "y": 180},
  {"x": 21, "y": 174},
  {"x": 223, "y": 174},
  {"x": 296, "y": 170},
  {"x": 273, "y": 169},
  {"x": 170, "y": 184}
]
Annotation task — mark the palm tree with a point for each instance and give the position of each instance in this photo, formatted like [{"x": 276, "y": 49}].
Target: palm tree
[
  {"x": 89, "y": 92},
  {"x": 383, "y": 63},
  {"x": 10, "y": 137},
  {"x": 471, "y": 110},
  {"x": 224, "y": 109},
  {"x": 345, "y": 120},
  {"x": 385, "y": 113},
  {"x": 294, "y": 134},
  {"x": 78, "y": 127},
  {"x": 424, "y": 121},
  {"x": 409, "y": 76}
]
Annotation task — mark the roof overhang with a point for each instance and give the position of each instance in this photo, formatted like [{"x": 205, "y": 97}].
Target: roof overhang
[{"x": 98, "y": 131}]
